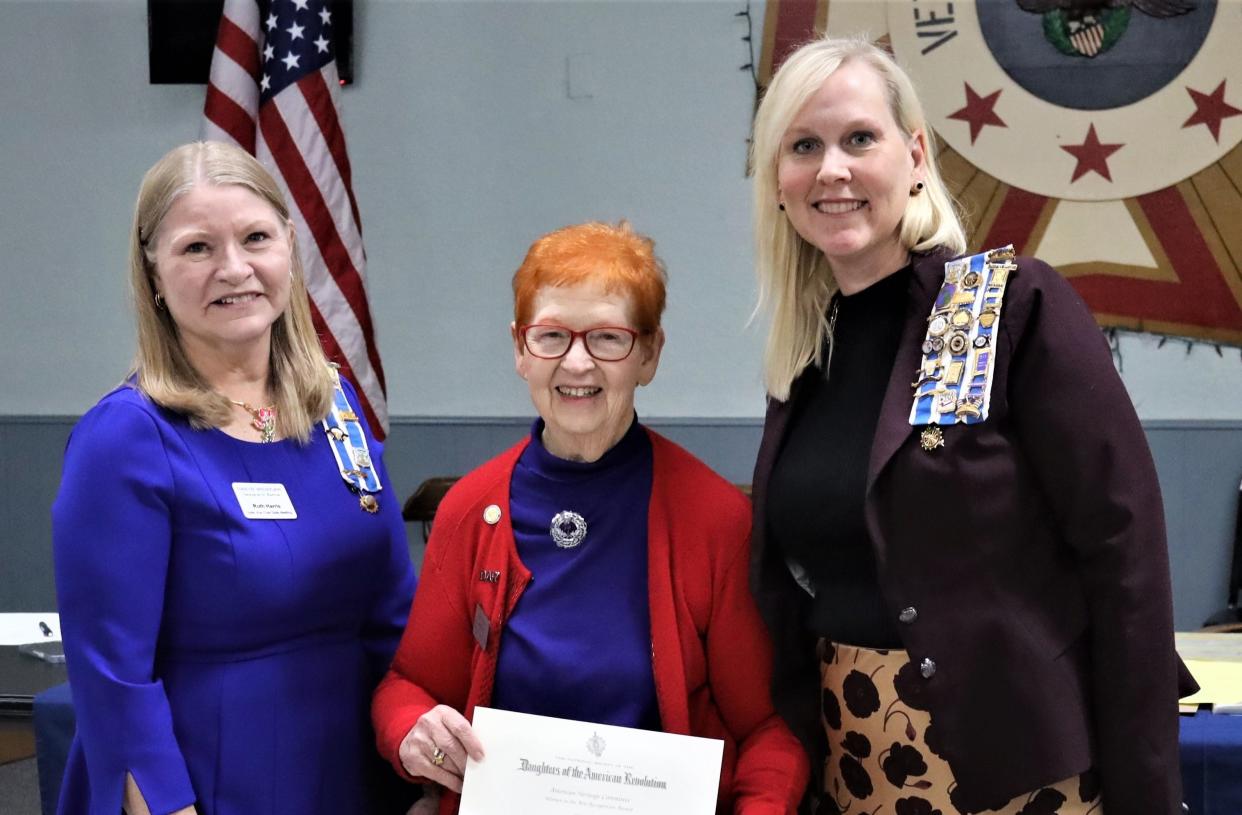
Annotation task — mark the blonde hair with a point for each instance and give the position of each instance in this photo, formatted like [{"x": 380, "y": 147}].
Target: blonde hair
[
  {"x": 795, "y": 279},
  {"x": 300, "y": 379}
]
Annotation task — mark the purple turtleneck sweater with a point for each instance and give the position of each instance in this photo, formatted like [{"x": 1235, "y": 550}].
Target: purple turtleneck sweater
[{"x": 578, "y": 644}]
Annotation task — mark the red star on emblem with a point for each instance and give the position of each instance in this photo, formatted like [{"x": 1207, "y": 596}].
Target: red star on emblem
[
  {"x": 1092, "y": 155},
  {"x": 1210, "y": 109},
  {"x": 979, "y": 111}
]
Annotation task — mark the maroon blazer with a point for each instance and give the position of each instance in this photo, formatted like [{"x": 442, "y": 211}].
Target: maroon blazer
[{"x": 1032, "y": 549}]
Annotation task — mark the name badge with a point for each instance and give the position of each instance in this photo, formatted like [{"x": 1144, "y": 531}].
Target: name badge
[{"x": 264, "y": 502}]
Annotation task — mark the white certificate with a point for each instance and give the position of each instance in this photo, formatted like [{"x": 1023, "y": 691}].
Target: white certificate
[{"x": 537, "y": 764}]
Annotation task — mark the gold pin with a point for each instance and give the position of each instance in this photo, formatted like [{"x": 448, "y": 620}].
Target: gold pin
[
  {"x": 961, "y": 318},
  {"x": 938, "y": 325},
  {"x": 954, "y": 373},
  {"x": 349, "y": 416},
  {"x": 931, "y": 438},
  {"x": 336, "y": 433},
  {"x": 987, "y": 318},
  {"x": 958, "y": 343},
  {"x": 971, "y": 280},
  {"x": 368, "y": 502},
  {"x": 1000, "y": 275}
]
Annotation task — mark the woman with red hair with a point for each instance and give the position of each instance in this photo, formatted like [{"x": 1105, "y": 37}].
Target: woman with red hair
[{"x": 592, "y": 518}]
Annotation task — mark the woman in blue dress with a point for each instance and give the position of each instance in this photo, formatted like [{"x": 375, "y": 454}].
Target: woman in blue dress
[{"x": 231, "y": 567}]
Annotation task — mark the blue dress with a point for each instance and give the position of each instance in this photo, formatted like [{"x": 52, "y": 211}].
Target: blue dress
[{"x": 222, "y": 661}]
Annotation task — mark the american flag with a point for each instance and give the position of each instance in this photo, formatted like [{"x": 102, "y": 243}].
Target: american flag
[{"x": 274, "y": 91}]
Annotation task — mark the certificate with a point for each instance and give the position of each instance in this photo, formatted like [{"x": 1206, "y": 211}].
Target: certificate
[{"x": 537, "y": 764}]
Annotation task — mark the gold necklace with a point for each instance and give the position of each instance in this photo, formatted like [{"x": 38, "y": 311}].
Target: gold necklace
[{"x": 262, "y": 419}]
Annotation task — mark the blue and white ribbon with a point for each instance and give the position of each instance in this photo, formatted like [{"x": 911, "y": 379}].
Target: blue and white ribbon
[
  {"x": 349, "y": 445},
  {"x": 953, "y": 384}
]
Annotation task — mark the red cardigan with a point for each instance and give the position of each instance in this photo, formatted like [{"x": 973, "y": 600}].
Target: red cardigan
[{"x": 710, "y": 653}]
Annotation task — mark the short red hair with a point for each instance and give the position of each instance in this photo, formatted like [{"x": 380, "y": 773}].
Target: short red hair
[{"x": 617, "y": 257}]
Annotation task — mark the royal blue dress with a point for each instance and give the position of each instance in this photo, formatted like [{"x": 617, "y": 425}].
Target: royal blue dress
[{"x": 224, "y": 662}]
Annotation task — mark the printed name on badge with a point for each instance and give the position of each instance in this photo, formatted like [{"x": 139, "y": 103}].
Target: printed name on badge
[{"x": 264, "y": 502}]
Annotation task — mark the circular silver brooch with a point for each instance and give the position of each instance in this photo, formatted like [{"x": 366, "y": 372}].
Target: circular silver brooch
[{"x": 568, "y": 529}]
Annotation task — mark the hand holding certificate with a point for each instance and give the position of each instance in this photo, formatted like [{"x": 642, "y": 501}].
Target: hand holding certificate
[
  {"x": 545, "y": 765},
  {"x": 437, "y": 746}
]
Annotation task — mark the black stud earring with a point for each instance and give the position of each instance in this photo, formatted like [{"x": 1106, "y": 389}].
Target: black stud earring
[
  {"x": 781, "y": 206},
  {"x": 918, "y": 188}
]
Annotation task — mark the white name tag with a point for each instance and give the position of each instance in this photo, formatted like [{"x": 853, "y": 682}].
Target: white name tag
[{"x": 264, "y": 501}]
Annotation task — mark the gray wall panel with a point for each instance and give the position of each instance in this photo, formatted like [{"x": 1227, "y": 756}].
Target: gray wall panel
[
  {"x": 1199, "y": 463},
  {"x": 33, "y": 448}
]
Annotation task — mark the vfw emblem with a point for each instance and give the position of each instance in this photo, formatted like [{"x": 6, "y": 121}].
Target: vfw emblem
[{"x": 1077, "y": 99}]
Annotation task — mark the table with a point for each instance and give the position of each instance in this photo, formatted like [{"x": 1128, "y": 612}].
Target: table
[{"x": 1211, "y": 752}]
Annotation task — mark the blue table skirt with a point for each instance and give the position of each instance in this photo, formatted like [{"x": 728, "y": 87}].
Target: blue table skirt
[{"x": 1211, "y": 748}]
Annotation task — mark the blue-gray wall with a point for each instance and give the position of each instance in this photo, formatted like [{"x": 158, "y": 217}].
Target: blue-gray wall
[{"x": 1199, "y": 465}]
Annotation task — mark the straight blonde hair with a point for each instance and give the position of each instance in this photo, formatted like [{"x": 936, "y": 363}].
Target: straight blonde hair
[
  {"x": 300, "y": 378},
  {"x": 796, "y": 281}
]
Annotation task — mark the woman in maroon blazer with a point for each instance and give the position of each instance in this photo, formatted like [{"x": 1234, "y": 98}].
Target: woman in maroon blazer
[{"x": 958, "y": 539}]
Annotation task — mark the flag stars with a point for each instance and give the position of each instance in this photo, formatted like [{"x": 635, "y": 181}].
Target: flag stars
[
  {"x": 301, "y": 4},
  {"x": 322, "y": 44},
  {"x": 295, "y": 31},
  {"x": 269, "y": 52},
  {"x": 325, "y": 15},
  {"x": 1211, "y": 109},
  {"x": 271, "y": 22},
  {"x": 290, "y": 60},
  {"x": 1092, "y": 155},
  {"x": 265, "y": 84}
]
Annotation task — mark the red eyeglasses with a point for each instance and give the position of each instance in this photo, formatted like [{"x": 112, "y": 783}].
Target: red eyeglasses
[{"x": 607, "y": 343}]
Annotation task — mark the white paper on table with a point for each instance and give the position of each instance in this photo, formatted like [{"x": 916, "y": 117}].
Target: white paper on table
[
  {"x": 538, "y": 764},
  {"x": 21, "y": 628}
]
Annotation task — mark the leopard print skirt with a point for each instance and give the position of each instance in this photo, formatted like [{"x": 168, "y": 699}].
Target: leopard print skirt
[{"x": 883, "y": 757}]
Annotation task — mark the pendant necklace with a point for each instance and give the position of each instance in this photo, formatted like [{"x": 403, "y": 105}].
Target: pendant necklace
[{"x": 262, "y": 419}]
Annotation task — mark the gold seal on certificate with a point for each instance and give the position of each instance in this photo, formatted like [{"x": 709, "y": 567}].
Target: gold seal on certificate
[{"x": 552, "y": 766}]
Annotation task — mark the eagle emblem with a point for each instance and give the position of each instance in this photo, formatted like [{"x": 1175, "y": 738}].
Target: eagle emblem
[{"x": 1086, "y": 28}]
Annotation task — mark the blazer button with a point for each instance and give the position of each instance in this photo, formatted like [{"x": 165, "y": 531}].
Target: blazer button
[
  {"x": 908, "y": 615},
  {"x": 927, "y": 667}
]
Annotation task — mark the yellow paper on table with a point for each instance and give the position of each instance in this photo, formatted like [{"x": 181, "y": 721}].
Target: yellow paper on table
[
  {"x": 1220, "y": 683},
  {"x": 1215, "y": 661}
]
